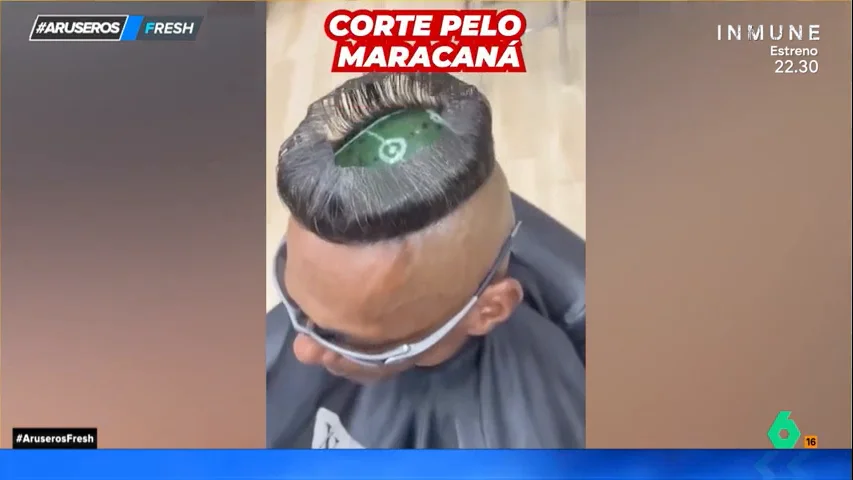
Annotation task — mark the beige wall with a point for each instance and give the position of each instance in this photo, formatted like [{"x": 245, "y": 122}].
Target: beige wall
[{"x": 538, "y": 119}]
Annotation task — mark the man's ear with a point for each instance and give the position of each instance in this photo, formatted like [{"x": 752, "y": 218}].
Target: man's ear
[{"x": 495, "y": 306}]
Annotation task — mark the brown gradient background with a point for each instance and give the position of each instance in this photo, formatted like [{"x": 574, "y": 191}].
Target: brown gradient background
[
  {"x": 133, "y": 230},
  {"x": 718, "y": 228}
]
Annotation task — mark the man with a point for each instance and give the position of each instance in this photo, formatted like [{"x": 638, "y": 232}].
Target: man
[{"x": 415, "y": 312}]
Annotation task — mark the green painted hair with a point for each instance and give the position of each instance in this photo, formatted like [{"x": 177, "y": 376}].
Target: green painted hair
[{"x": 393, "y": 138}]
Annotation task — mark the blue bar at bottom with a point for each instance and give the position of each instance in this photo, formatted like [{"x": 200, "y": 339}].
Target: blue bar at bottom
[
  {"x": 131, "y": 28},
  {"x": 426, "y": 464}
]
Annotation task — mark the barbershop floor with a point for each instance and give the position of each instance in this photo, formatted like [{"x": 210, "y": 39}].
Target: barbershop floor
[{"x": 539, "y": 119}]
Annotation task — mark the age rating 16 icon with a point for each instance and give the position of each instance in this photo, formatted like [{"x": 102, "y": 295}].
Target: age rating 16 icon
[{"x": 785, "y": 434}]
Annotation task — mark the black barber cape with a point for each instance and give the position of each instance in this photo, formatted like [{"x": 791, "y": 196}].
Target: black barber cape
[{"x": 521, "y": 386}]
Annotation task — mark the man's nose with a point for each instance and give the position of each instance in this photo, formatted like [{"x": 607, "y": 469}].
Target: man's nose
[
  {"x": 307, "y": 350},
  {"x": 310, "y": 352}
]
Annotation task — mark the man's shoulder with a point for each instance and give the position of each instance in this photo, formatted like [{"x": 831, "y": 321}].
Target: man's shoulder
[
  {"x": 532, "y": 366},
  {"x": 550, "y": 261}
]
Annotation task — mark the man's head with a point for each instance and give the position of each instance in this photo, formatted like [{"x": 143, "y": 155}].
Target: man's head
[{"x": 398, "y": 211}]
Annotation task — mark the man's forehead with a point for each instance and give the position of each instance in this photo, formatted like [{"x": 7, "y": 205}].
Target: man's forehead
[{"x": 352, "y": 277}]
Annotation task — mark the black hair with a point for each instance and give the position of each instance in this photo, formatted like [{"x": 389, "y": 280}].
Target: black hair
[{"x": 357, "y": 205}]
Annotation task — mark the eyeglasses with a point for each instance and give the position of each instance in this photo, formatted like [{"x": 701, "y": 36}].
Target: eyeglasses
[{"x": 302, "y": 324}]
